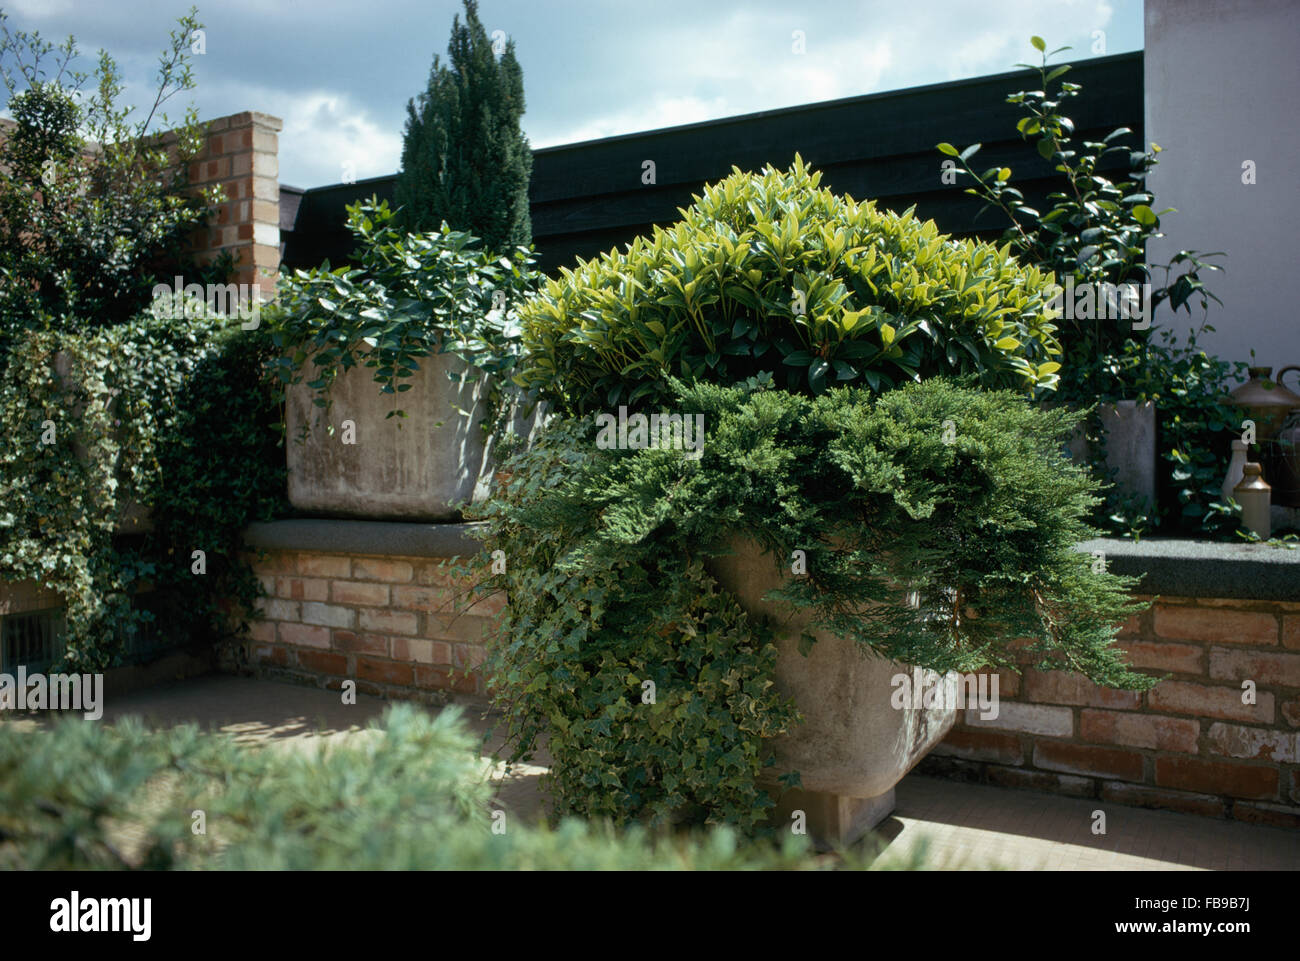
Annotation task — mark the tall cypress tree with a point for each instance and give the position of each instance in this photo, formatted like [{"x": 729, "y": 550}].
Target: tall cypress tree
[{"x": 464, "y": 158}]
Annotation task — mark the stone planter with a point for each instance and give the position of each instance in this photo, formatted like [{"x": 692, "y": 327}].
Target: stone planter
[
  {"x": 853, "y": 745},
  {"x": 1129, "y": 428},
  {"x": 415, "y": 471}
]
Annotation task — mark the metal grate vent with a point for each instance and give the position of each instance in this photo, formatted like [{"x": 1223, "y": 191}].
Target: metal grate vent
[{"x": 33, "y": 639}]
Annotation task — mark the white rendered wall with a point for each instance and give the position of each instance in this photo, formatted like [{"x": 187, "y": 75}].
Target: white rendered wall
[{"x": 1222, "y": 80}]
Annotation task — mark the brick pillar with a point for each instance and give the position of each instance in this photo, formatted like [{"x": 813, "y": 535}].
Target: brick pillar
[{"x": 241, "y": 156}]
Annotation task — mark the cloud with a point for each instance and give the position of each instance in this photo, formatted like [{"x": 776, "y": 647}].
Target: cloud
[{"x": 591, "y": 68}]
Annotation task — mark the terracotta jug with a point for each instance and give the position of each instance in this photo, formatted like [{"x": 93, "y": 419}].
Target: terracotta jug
[{"x": 1266, "y": 402}]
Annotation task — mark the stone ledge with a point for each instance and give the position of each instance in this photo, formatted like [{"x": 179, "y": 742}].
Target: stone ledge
[
  {"x": 1167, "y": 566},
  {"x": 393, "y": 538},
  {"x": 1204, "y": 568}
]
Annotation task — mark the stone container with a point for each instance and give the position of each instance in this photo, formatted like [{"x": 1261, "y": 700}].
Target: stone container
[
  {"x": 854, "y": 745},
  {"x": 389, "y": 468},
  {"x": 1129, "y": 428}
]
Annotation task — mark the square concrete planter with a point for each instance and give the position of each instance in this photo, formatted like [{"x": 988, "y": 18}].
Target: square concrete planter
[
  {"x": 853, "y": 745},
  {"x": 437, "y": 457},
  {"x": 1129, "y": 428}
]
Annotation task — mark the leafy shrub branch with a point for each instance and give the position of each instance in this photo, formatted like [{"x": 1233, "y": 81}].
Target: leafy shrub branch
[{"x": 607, "y": 583}]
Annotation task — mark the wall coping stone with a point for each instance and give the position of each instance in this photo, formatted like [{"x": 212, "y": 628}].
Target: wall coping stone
[
  {"x": 395, "y": 538},
  {"x": 1185, "y": 568},
  {"x": 1169, "y": 566}
]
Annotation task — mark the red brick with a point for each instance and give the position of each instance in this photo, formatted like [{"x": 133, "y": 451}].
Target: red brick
[
  {"x": 464, "y": 628},
  {"x": 1174, "y": 658},
  {"x": 1260, "y": 743},
  {"x": 1291, "y": 711},
  {"x": 261, "y": 630},
  {"x": 1087, "y": 760},
  {"x": 389, "y": 621},
  {"x": 1279, "y": 669},
  {"x": 976, "y": 745},
  {"x": 1291, "y": 631},
  {"x": 412, "y": 649},
  {"x": 1132, "y": 627},
  {"x": 354, "y": 643},
  {"x": 364, "y": 595},
  {"x": 1139, "y": 795},
  {"x": 1061, "y": 687},
  {"x": 305, "y": 635},
  {"x": 1151, "y": 731},
  {"x": 441, "y": 652},
  {"x": 1215, "y": 625},
  {"x": 1179, "y": 697},
  {"x": 1008, "y": 683},
  {"x": 1274, "y": 815},
  {"x": 434, "y": 574},
  {"x": 468, "y": 656},
  {"x": 438, "y": 678},
  {"x": 302, "y": 588},
  {"x": 325, "y": 565},
  {"x": 384, "y": 672},
  {"x": 1217, "y": 777},
  {"x": 323, "y": 662},
  {"x": 442, "y": 678},
  {"x": 422, "y": 598},
  {"x": 488, "y": 605},
  {"x": 1024, "y": 780},
  {"x": 374, "y": 569}
]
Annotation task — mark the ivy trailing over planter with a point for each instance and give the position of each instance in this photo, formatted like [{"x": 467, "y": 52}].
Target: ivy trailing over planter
[
  {"x": 173, "y": 414},
  {"x": 957, "y": 497}
]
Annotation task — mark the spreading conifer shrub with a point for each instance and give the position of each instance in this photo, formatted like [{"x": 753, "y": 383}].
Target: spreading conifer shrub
[
  {"x": 768, "y": 276},
  {"x": 957, "y": 497},
  {"x": 410, "y": 795}
]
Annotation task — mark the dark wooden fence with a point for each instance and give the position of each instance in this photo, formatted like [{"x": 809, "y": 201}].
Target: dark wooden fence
[{"x": 587, "y": 198}]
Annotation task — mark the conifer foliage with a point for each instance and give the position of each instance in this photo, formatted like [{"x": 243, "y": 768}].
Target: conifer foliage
[{"x": 464, "y": 158}]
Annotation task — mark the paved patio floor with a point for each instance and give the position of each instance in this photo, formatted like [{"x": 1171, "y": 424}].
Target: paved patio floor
[{"x": 962, "y": 825}]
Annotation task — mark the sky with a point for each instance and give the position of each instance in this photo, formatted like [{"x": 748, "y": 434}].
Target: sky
[{"x": 340, "y": 73}]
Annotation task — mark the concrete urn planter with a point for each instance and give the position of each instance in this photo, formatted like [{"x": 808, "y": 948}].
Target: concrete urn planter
[
  {"x": 853, "y": 746},
  {"x": 374, "y": 469}
]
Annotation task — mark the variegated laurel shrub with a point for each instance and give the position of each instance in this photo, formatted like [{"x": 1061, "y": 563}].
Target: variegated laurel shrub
[{"x": 768, "y": 276}]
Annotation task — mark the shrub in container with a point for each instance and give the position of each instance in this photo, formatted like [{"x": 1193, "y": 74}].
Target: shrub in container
[
  {"x": 396, "y": 370},
  {"x": 925, "y": 525}
]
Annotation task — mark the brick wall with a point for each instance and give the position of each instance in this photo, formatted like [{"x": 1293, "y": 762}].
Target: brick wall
[
  {"x": 388, "y": 622},
  {"x": 1189, "y": 744}
]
